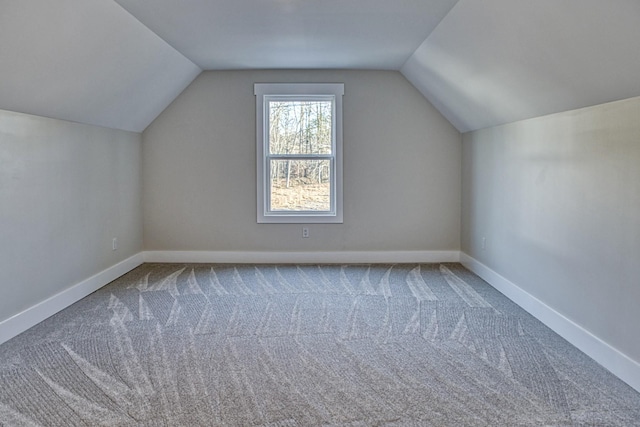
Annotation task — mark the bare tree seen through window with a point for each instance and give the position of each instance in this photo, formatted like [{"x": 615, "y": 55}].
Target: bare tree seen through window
[{"x": 299, "y": 131}]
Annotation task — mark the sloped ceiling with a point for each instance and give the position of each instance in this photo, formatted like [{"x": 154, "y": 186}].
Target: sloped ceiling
[
  {"x": 119, "y": 63},
  {"x": 87, "y": 61},
  {"x": 491, "y": 62}
]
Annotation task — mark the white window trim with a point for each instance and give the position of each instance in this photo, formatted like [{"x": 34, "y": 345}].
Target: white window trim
[{"x": 298, "y": 90}]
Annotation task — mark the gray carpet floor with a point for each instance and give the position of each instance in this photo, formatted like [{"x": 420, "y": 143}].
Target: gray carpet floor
[{"x": 353, "y": 345}]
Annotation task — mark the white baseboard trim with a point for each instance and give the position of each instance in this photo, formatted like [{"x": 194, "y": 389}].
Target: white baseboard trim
[
  {"x": 621, "y": 365},
  {"x": 33, "y": 315},
  {"x": 346, "y": 257}
]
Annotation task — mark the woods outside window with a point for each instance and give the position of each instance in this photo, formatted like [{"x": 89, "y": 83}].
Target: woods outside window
[{"x": 299, "y": 152}]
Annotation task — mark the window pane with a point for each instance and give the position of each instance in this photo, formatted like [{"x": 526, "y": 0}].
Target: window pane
[
  {"x": 300, "y": 127},
  {"x": 300, "y": 185}
]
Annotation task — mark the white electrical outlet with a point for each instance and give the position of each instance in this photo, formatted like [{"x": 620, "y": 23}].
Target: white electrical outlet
[
  {"x": 114, "y": 243},
  {"x": 484, "y": 243},
  {"x": 305, "y": 232}
]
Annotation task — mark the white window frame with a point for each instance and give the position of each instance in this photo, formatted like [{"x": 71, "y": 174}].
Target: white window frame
[{"x": 266, "y": 92}]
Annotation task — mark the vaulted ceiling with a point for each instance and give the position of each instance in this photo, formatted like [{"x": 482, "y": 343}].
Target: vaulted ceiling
[{"x": 119, "y": 63}]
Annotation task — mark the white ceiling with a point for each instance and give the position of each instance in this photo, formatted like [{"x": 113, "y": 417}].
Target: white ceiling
[
  {"x": 238, "y": 34},
  {"x": 119, "y": 63},
  {"x": 87, "y": 61},
  {"x": 491, "y": 62}
]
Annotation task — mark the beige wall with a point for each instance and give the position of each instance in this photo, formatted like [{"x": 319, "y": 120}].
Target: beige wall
[
  {"x": 558, "y": 200},
  {"x": 65, "y": 191},
  {"x": 401, "y": 174}
]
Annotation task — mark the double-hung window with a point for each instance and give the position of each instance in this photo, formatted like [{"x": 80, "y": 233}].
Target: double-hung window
[{"x": 299, "y": 152}]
